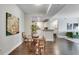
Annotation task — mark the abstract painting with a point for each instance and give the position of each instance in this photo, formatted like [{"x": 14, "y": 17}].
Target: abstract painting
[
  {"x": 12, "y": 24},
  {"x": 75, "y": 25},
  {"x": 69, "y": 26}
]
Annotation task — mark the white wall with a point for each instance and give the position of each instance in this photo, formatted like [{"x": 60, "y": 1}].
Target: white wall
[
  {"x": 28, "y": 23},
  {"x": 62, "y": 24},
  {"x": 8, "y": 43},
  {"x": 45, "y": 24},
  {"x": 70, "y": 13}
]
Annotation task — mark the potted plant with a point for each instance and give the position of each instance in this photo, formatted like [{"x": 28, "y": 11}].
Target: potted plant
[{"x": 69, "y": 34}]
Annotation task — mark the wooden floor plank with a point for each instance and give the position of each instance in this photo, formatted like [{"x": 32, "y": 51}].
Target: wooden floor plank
[{"x": 59, "y": 47}]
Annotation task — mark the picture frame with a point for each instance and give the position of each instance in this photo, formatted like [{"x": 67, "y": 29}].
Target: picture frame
[{"x": 12, "y": 24}]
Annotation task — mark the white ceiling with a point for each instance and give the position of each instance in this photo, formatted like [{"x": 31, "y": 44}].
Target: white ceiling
[
  {"x": 33, "y": 9},
  {"x": 54, "y": 9},
  {"x": 43, "y": 11}
]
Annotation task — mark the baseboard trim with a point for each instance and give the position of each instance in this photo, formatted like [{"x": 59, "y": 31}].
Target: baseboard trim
[{"x": 7, "y": 53}]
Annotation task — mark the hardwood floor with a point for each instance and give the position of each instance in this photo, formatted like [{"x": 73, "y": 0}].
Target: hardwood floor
[{"x": 59, "y": 47}]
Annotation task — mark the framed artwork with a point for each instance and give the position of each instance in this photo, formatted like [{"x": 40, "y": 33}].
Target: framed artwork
[
  {"x": 69, "y": 26},
  {"x": 12, "y": 24},
  {"x": 75, "y": 25}
]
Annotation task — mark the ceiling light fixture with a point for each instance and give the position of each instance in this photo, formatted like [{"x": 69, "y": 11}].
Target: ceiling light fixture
[{"x": 38, "y": 4}]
